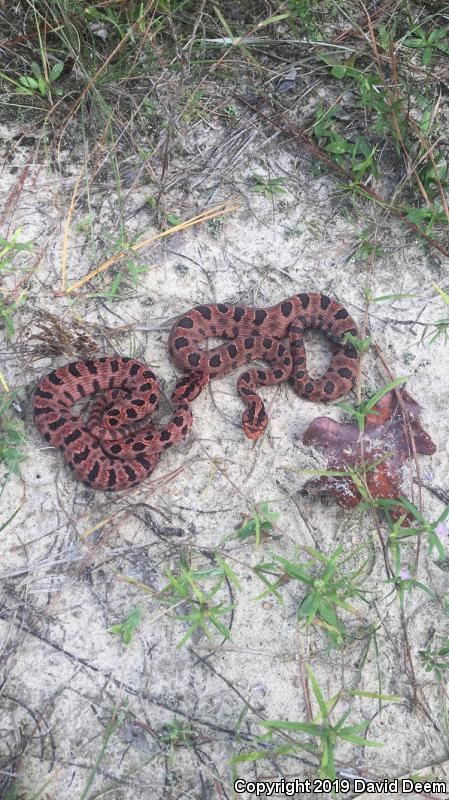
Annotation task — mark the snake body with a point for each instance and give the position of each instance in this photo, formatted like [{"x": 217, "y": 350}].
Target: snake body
[{"x": 118, "y": 447}]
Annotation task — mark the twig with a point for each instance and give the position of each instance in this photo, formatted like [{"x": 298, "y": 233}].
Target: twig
[{"x": 217, "y": 211}]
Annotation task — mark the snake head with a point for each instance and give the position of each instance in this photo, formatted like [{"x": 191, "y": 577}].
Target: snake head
[{"x": 253, "y": 423}]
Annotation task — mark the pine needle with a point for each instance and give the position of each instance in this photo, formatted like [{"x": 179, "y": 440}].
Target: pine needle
[{"x": 216, "y": 211}]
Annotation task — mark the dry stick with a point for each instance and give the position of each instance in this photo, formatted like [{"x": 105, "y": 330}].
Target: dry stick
[
  {"x": 217, "y": 211},
  {"x": 294, "y": 133}
]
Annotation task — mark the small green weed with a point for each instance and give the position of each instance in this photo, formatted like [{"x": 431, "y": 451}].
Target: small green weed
[
  {"x": 366, "y": 248},
  {"x": 172, "y": 737},
  {"x": 120, "y": 19},
  {"x": 85, "y": 224},
  {"x": 173, "y": 219},
  {"x": 405, "y": 583},
  {"x": 327, "y": 589},
  {"x": 361, "y": 411},
  {"x": 428, "y": 215},
  {"x": 177, "y": 734},
  {"x": 261, "y": 524},
  {"x": 10, "y": 248},
  {"x": 268, "y": 186},
  {"x": 429, "y": 43},
  {"x": 301, "y": 11},
  {"x": 185, "y": 589},
  {"x": 130, "y": 269},
  {"x": 215, "y": 227},
  {"x": 231, "y": 112},
  {"x": 436, "y": 661},
  {"x": 42, "y": 83},
  {"x": 357, "y": 474},
  {"x": 436, "y": 532},
  {"x": 440, "y": 327},
  {"x": 128, "y": 627},
  {"x": 357, "y": 155},
  {"x": 385, "y": 112},
  {"x": 321, "y": 728},
  {"x": 8, "y": 310},
  {"x": 170, "y": 217}
]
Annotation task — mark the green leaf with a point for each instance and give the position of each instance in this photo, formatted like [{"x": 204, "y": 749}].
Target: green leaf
[
  {"x": 230, "y": 574},
  {"x": 309, "y": 606},
  {"x": 332, "y": 563},
  {"x": 56, "y": 71},
  {"x": 392, "y": 698},
  {"x": 274, "y": 18},
  {"x": 187, "y": 635},
  {"x": 442, "y": 294},
  {"x": 294, "y": 570},
  {"x": 284, "y": 725},
  {"x": 415, "y": 42},
  {"x": 253, "y": 755},
  {"x": 115, "y": 285},
  {"x": 172, "y": 219},
  {"x": 378, "y": 395},
  {"x": 224, "y": 22},
  {"x": 384, "y": 297},
  {"x": 338, "y": 146},
  {"x": 128, "y": 627},
  {"x": 416, "y": 215},
  {"x": 329, "y": 615},
  {"x": 423, "y": 587},
  {"x": 358, "y": 740},
  {"x": 317, "y": 691},
  {"x": 36, "y": 70},
  {"x": 339, "y": 71},
  {"x": 405, "y": 503},
  {"x": 29, "y": 82},
  {"x": 427, "y": 56}
]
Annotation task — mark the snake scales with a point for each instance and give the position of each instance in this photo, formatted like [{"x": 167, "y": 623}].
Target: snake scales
[{"x": 118, "y": 446}]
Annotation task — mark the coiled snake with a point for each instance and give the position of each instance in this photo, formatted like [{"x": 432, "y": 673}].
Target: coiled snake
[{"x": 118, "y": 447}]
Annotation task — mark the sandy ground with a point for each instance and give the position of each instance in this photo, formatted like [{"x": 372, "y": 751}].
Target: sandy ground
[{"x": 76, "y": 562}]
